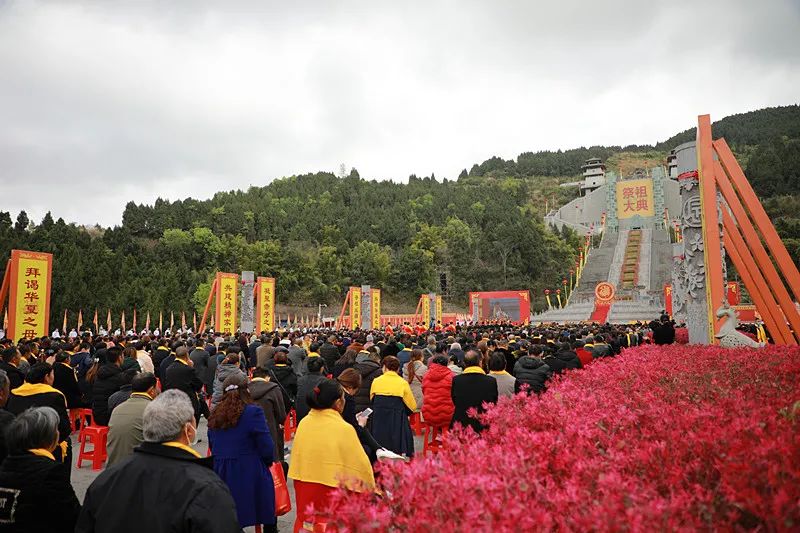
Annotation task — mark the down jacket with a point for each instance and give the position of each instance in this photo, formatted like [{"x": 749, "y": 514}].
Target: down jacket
[
  {"x": 533, "y": 372},
  {"x": 562, "y": 361},
  {"x": 436, "y": 386},
  {"x": 369, "y": 370}
]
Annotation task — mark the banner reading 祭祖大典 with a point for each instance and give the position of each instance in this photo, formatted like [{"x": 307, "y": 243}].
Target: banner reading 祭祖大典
[
  {"x": 265, "y": 304},
  {"x": 30, "y": 279},
  {"x": 227, "y": 290}
]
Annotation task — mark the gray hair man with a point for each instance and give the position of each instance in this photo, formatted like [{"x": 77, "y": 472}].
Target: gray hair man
[
  {"x": 34, "y": 486},
  {"x": 166, "y": 485}
]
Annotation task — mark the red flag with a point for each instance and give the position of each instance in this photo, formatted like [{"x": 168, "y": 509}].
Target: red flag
[
  {"x": 96, "y": 321},
  {"x": 108, "y": 321},
  {"x": 147, "y": 322},
  {"x": 122, "y": 320},
  {"x": 80, "y": 319},
  {"x": 64, "y": 325},
  {"x": 134, "y": 319}
]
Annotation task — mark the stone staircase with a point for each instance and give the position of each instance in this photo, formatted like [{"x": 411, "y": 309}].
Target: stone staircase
[
  {"x": 597, "y": 268},
  {"x": 574, "y": 312},
  {"x": 630, "y": 311}
]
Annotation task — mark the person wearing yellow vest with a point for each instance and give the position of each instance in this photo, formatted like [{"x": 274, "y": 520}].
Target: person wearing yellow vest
[
  {"x": 34, "y": 486},
  {"x": 38, "y": 391},
  {"x": 166, "y": 485},
  {"x": 392, "y": 402},
  {"x": 326, "y": 454}
]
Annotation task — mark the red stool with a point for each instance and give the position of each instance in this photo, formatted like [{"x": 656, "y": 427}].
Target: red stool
[
  {"x": 75, "y": 418},
  {"x": 85, "y": 419},
  {"x": 433, "y": 439},
  {"x": 97, "y": 436},
  {"x": 417, "y": 425}
]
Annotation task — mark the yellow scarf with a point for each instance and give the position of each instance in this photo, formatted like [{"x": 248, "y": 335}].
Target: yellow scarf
[
  {"x": 326, "y": 450},
  {"x": 182, "y": 446},
  {"x": 29, "y": 389},
  {"x": 473, "y": 370},
  {"x": 41, "y": 452}
]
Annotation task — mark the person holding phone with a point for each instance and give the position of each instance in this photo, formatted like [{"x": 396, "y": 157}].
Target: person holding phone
[{"x": 350, "y": 379}]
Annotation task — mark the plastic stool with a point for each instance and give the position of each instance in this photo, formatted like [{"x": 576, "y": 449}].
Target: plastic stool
[
  {"x": 86, "y": 419},
  {"x": 75, "y": 418},
  {"x": 415, "y": 420},
  {"x": 431, "y": 443},
  {"x": 98, "y": 436}
]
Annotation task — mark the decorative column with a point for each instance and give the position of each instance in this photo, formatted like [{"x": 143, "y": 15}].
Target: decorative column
[
  {"x": 690, "y": 286},
  {"x": 611, "y": 202},
  {"x": 246, "y": 305}
]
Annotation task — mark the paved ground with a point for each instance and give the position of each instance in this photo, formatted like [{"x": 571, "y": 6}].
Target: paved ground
[{"x": 83, "y": 477}]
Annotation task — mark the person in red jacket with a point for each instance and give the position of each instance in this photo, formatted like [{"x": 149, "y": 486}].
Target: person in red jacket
[
  {"x": 583, "y": 354},
  {"x": 438, "y": 408}
]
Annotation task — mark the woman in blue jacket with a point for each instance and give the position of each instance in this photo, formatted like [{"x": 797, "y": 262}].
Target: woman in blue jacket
[{"x": 242, "y": 448}]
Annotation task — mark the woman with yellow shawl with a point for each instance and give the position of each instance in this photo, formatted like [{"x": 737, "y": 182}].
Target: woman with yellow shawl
[{"x": 326, "y": 454}]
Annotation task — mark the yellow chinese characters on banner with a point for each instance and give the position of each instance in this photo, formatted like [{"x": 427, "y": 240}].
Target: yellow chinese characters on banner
[
  {"x": 635, "y": 197},
  {"x": 438, "y": 309},
  {"x": 426, "y": 309},
  {"x": 29, "y": 299},
  {"x": 376, "y": 309},
  {"x": 265, "y": 304},
  {"x": 355, "y": 307},
  {"x": 227, "y": 291}
]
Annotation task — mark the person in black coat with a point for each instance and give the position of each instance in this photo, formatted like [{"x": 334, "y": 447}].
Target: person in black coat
[
  {"x": 110, "y": 378},
  {"x": 34, "y": 485},
  {"x": 9, "y": 360},
  {"x": 565, "y": 358},
  {"x": 329, "y": 353},
  {"x": 37, "y": 391},
  {"x": 368, "y": 365},
  {"x": 180, "y": 375},
  {"x": 533, "y": 372},
  {"x": 283, "y": 373},
  {"x": 165, "y": 485},
  {"x": 200, "y": 359},
  {"x": 471, "y": 389},
  {"x": 5, "y": 416},
  {"x": 316, "y": 369},
  {"x": 65, "y": 380},
  {"x": 663, "y": 332}
]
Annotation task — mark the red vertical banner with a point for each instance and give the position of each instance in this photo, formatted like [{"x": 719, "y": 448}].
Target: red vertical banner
[
  {"x": 734, "y": 293},
  {"x": 29, "y": 295},
  {"x": 227, "y": 291},
  {"x": 668, "y": 298}
]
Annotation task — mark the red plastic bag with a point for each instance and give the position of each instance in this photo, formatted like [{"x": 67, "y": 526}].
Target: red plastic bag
[{"x": 283, "y": 502}]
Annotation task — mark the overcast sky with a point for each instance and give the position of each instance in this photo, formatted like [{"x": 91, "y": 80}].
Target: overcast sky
[{"x": 105, "y": 102}]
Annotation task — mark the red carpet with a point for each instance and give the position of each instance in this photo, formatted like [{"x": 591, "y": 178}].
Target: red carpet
[{"x": 600, "y": 313}]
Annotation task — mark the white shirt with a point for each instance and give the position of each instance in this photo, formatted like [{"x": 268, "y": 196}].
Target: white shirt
[{"x": 145, "y": 361}]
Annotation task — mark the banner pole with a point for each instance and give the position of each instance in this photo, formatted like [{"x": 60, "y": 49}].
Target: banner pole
[{"x": 208, "y": 305}]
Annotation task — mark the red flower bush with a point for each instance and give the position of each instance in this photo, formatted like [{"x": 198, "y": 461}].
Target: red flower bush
[{"x": 659, "y": 438}]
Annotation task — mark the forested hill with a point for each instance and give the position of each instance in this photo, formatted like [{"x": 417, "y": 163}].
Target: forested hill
[
  {"x": 740, "y": 131},
  {"x": 319, "y": 233}
]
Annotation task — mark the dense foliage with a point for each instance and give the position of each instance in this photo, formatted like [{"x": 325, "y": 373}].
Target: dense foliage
[
  {"x": 659, "y": 439},
  {"x": 319, "y": 233}
]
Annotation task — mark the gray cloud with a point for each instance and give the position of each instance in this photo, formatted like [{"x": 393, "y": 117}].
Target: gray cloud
[{"x": 103, "y": 102}]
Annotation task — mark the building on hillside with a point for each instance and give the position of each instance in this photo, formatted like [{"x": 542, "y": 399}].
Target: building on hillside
[{"x": 594, "y": 175}]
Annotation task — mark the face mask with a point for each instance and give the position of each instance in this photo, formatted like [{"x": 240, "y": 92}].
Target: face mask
[{"x": 191, "y": 432}]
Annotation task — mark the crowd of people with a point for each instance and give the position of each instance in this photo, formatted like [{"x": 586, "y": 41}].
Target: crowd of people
[{"x": 355, "y": 396}]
